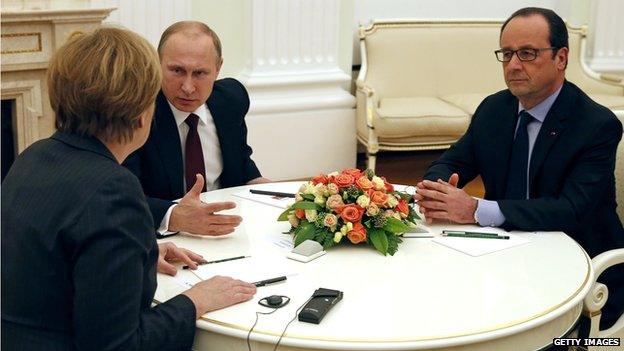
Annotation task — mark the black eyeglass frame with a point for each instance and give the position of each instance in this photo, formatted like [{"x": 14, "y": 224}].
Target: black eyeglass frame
[{"x": 515, "y": 52}]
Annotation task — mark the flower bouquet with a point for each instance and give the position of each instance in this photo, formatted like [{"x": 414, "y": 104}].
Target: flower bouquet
[{"x": 355, "y": 204}]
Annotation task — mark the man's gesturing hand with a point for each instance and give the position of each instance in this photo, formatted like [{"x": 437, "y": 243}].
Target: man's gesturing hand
[
  {"x": 193, "y": 216},
  {"x": 443, "y": 200}
]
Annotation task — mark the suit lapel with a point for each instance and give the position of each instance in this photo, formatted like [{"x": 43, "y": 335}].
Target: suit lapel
[
  {"x": 503, "y": 141},
  {"x": 220, "y": 118},
  {"x": 553, "y": 125},
  {"x": 166, "y": 133}
]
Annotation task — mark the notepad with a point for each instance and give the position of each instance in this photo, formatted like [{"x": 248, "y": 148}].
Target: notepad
[
  {"x": 281, "y": 202},
  {"x": 479, "y": 247}
]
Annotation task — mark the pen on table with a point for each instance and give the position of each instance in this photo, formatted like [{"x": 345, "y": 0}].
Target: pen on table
[
  {"x": 269, "y": 281},
  {"x": 217, "y": 261},
  {"x": 478, "y": 236},
  {"x": 461, "y": 232},
  {"x": 272, "y": 193}
]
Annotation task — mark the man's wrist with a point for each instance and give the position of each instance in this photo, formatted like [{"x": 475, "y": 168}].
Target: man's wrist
[{"x": 164, "y": 230}]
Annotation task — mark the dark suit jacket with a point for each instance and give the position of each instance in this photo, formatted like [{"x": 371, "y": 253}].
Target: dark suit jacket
[
  {"x": 159, "y": 165},
  {"x": 572, "y": 184},
  {"x": 79, "y": 255}
]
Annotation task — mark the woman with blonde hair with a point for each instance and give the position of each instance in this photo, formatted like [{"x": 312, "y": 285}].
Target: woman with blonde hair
[{"x": 79, "y": 255}]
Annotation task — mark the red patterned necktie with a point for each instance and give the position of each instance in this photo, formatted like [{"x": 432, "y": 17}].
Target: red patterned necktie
[{"x": 193, "y": 155}]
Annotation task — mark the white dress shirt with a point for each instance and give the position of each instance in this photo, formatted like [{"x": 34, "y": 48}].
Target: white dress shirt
[{"x": 211, "y": 151}]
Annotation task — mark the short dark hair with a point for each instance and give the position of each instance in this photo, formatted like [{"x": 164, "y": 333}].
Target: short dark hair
[
  {"x": 190, "y": 27},
  {"x": 556, "y": 26}
]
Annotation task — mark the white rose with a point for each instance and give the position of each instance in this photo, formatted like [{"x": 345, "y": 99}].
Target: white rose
[
  {"x": 309, "y": 188},
  {"x": 378, "y": 182},
  {"x": 320, "y": 190},
  {"x": 372, "y": 210},
  {"x": 363, "y": 200},
  {"x": 294, "y": 221},
  {"x": 319, "y": 200},
  {"x": 298, "y": 197},
  {"x": 334, "y": 201},
  {"x": 392, "y": 201},
  {"x": 337, "y": 237},
  {"x": 303, "y": 187},
  {"x": 330, "y": 220},
  {"x": 333, "y": 189},
  {"x": 310, "y": 215}
]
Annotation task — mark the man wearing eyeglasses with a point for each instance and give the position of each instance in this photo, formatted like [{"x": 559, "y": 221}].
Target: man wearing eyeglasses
[{"x": 544, "y": 149}]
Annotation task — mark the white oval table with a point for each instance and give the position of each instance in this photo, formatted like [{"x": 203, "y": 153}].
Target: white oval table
[{"x": 426, "y": 296}]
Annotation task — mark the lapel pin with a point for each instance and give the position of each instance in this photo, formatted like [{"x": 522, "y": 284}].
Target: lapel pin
[{"x": 553, "y": 133}]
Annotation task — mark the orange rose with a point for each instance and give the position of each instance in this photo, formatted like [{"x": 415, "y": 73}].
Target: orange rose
[
  {"x": 379, "y": 198},
  {"x": 389, "y": 187},
  {"x": 351, "y": 213},
  {"x": 354, "y": 172},
  {"x": 320, "y": 179},
  {"x": 402, "y": 207},
  {"x": 364, "y": 183},
  {"x": 300, "y": 213},
  {"x": 344, "y": 180},
  {"x": 357, "y": 234}
]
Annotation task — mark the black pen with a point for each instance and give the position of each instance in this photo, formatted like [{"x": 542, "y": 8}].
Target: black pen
[
  {"x": 271, "y": 193},
  {"x": 269, "y": 281},
  {"x": 461, "y": 232},
  {"x": 217, "y": 261},
  {"x": 478, "y": 236}
]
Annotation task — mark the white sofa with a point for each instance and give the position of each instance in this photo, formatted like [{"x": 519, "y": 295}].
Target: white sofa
[{"x": 421, "y": 81}]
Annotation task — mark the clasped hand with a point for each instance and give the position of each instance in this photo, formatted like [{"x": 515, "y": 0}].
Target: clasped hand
[
  {"x": 443, "y": 200},
  {"x": 194, "y": 216}
]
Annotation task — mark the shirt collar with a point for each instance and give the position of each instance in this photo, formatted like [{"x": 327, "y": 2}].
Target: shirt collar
[
  {"x": 540, "y": 110},
  {"x": 180, "y": 116}
]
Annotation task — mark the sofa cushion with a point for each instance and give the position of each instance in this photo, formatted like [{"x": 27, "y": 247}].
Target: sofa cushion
[
  {"x": 612, "y": 102},
  {"x": 467, "y": 102},
  {"x": 419, "y": 116}
]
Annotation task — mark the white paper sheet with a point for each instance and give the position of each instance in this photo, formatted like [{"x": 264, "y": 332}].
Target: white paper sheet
[
  {"x": 477, "y": 246},
  {"x": 251, "y": 269},
  {"x": 281, "y": 202}
]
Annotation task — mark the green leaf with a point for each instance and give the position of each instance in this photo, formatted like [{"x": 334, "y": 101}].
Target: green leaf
[
  {"x": 306, "y": 205},
  {"x": 328, "y": 242},
  {"x": 284, "y": 215},
  {"x": 403, "y": 195},
  {"x": 395, "y": 226},
  {"x": 412, "y": 216},
  {"x": 393, "y": 243},
  {"x": 304, "y": 232},
  {"x": 379, "y": 239},
  {"x": 309, "y": 197}
]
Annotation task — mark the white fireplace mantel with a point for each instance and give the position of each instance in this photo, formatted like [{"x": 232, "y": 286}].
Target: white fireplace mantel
[{"x": 29, "y": 39}]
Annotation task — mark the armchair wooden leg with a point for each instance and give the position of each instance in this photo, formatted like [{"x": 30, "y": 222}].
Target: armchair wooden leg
[{"x": 372, "y": 158}]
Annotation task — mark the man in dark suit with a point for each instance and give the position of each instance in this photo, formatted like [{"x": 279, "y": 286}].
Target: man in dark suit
[
  {"x": 199, "y": 128},
  {"x": 544, "y": 149}
]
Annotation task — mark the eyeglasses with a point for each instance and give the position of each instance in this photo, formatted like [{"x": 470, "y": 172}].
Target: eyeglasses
[{"x": 526, "y": 54}]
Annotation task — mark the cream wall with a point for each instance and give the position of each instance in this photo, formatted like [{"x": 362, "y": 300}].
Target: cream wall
[
  {"x": 575, "y": 11},
  {"x": 227, "y": 18}
]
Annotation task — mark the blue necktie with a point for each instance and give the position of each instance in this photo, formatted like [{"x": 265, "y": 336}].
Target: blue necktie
[{"x": 519, "y": 161}]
